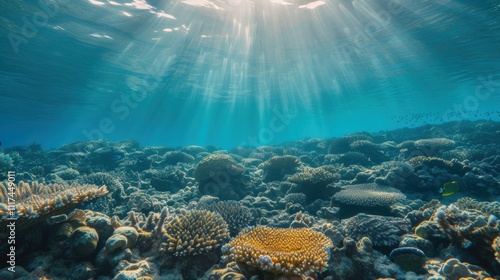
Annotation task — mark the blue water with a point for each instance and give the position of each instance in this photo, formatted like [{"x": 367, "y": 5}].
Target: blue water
[{"x": 239, "y": 72}]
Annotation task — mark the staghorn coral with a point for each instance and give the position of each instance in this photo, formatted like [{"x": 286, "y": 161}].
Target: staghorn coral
[
  {"x": 369, "y": 195},
  {"x": 35, "y": 200},
  {"x": 382, "y": 231},
  {"x": 277, "y": 167},
  {"x": 233, "y": 212},
  {"x": 195, "y": 232},
  {"x": 289, "y": 252}
]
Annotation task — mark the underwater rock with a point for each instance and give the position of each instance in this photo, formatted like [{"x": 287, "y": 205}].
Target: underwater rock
[
  {"x": 409, "y": 258},
  {"x": 83, "y": 242}
]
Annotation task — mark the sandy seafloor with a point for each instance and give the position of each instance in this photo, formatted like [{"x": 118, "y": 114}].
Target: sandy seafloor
[{"x": 371, "y": 202}]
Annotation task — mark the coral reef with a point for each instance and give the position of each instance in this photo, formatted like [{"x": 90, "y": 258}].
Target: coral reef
[{"x": 288, "y": 252}]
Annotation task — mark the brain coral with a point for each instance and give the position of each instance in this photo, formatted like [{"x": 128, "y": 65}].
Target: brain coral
[
  {"x": 195, "y": 232},
  {"x": 369, "y": 195},
  {"x": 298, "y": 252}
]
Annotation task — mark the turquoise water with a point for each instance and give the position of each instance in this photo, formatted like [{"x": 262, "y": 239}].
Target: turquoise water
[{"x": 236, "y": 72}]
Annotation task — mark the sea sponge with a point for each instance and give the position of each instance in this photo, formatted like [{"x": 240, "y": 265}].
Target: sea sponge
[
  {"x": 195, "y": 232},
  {"x": 369, "y": 195},
  {"x": 290, "y": 252},
  {"x": 277, "y": 167}
]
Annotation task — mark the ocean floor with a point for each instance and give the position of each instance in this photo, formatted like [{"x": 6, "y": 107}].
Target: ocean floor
[{"x": 419, "y": 203}]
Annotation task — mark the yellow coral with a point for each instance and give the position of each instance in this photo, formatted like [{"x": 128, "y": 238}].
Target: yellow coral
[
  {"x": 496, "y": 247},
  {"x": 195, "y": 232},
  {"x": 298, "y": 252}
]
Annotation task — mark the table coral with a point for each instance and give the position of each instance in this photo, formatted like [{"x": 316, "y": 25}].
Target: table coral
[
  {"x": 36, "y": 202},
  {"x": 369, "y": 195},
  {"x": 291, "y": 252}
]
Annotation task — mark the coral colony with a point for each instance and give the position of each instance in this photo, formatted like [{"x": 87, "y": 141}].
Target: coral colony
[{"x": 395, "y": 205}]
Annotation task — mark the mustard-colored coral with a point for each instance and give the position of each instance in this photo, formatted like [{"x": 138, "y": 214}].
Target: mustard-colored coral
[
  {"x": 299, "y": 251},
  {"x": 195, "y": 232}
]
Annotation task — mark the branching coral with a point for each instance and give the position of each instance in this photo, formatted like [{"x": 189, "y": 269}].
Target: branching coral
[
  {"x": 463, "y": 226},
  {"x": 289, "y": 252},
  {"x": 195, "y": 232}
]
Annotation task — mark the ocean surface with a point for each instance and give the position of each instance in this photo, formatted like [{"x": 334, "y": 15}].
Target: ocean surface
[
  {"x": 239, "y": 139},
  {"x": 227, "y": 73}
]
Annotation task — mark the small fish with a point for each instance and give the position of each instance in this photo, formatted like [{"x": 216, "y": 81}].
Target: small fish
[{"x": 449, "y": 188}]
